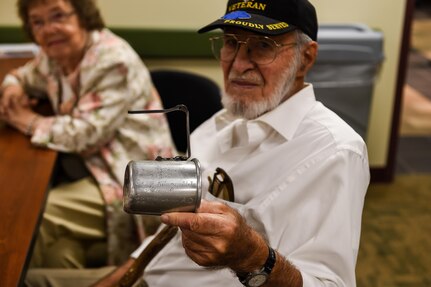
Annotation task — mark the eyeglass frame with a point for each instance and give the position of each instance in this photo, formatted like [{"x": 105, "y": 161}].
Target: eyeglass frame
[
  {"x": 60, "y": 16},
  {"x": 277, "y": 46},
  {"x": 221, "y": 185}
]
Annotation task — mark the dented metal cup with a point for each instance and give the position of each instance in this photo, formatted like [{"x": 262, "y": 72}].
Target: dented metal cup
[{"x": 156, "y": 187}]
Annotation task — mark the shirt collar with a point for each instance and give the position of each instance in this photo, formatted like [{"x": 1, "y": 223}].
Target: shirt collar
[
  {"x": 285, "y": 119},
  {"x": 236, "y": 132}
]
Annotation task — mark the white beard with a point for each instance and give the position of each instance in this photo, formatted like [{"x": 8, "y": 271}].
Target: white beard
[{"x": 252, "y": 110}]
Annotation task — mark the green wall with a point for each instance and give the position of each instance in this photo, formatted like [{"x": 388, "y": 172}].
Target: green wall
[{"x": 149, "y": 43}]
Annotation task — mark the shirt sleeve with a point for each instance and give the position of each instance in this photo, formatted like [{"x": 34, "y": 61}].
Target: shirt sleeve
[
  {"x": 10, "y": 80},
  {"x": 113, "y": 80},
  {"x": 101, "y": 109},
  {"x": 27, "y": 75},
  {"x": 315, "y": 219}
]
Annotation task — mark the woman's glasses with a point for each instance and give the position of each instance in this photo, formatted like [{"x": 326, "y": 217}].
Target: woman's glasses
[{"x": 56, "y": 18}]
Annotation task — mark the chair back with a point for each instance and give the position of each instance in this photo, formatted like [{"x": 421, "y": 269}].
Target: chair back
[{"x": 200, "y": 94}]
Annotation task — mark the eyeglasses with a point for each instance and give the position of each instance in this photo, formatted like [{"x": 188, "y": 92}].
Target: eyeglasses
[
  {"x": 261, "y": 50},
  {"x": 57, "y": 18},
  {"x": 221, "y": 185}
]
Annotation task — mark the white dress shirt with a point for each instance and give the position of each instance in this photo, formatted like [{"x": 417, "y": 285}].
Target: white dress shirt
[{"x": 300, "y": 175}]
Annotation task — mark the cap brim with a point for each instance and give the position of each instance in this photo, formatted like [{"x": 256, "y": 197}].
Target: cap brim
[{"x": 256, "y": 23}]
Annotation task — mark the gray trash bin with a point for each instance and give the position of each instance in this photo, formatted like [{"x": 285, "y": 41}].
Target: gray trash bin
[{"x": 349, "y": 57}]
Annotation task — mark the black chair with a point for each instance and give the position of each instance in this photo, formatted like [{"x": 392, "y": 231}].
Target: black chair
[{"x": 200, "y": 94}]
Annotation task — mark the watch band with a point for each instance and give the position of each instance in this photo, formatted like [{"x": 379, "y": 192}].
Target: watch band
[{"x": 266, "y": 270}]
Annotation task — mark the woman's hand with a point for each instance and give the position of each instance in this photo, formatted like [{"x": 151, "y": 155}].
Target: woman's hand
[
  {"x": 13, "y": 94},
  {"x": 20, "y": 116}
]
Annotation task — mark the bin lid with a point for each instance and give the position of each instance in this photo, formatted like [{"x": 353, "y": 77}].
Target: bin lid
[{"x": 349, "y": 42}]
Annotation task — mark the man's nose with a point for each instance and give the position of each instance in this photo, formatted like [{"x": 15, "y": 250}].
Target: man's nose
[{"x": 242, "y": 59}]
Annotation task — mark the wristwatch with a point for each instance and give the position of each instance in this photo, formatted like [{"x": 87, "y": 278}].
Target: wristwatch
[{"x": 258, "y": 278}]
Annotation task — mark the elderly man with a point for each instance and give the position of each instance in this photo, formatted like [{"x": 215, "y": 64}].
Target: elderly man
[{"x": 299, "y": 172}]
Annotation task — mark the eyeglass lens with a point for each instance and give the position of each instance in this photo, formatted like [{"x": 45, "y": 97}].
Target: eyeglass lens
[
  {"x": 260, "y": 50},
  {"x": 58, "y": 17}
]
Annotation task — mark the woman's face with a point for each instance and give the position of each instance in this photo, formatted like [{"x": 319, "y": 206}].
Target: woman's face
[{"x": 56, "y": 28}]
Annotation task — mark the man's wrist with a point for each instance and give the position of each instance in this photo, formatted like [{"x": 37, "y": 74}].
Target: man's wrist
[
  {"x": 259, "y": 277},
  {"x": 250, "y": 253}
]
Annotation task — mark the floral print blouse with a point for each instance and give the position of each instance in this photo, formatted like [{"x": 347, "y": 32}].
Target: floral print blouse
[{"x": 91, "y": 119}]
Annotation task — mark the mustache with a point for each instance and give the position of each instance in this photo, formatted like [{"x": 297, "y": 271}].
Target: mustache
[{"x": 246, "y": 77}]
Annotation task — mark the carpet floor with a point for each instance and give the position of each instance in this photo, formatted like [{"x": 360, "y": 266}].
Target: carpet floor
[{"x": 396, "y": 234}]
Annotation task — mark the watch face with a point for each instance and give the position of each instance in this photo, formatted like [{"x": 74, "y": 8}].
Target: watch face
[{"x": 257, "y": 280}]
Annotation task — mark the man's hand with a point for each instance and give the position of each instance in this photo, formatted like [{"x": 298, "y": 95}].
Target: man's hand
[{"x": 218, "y": 236}]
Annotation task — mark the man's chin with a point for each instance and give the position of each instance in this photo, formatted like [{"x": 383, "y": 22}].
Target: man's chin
[{"x": 248, "y": 111}]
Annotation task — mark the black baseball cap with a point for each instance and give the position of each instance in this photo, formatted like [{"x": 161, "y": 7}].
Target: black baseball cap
[{"x": 268, "y": 17}]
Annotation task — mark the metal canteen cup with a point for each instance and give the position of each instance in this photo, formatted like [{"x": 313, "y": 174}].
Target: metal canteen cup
[
  {"x": 163, "y": 185},
  {"x": 156, "y": 187}
]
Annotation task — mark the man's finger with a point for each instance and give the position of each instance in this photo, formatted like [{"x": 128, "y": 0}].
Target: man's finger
[
  {"x": 199, "y": 223},
  {"x": 180, "y": 219},
  {"x": 214, "y": 207}
]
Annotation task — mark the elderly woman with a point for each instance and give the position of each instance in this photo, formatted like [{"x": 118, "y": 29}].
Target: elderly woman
[{"x": 91, "y": 78}]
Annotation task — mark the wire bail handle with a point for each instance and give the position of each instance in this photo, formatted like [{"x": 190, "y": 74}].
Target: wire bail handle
[{"x": 182, "y": 108}]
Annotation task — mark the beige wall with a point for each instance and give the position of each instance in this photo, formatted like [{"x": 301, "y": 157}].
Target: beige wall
[
  {"x": 384, "y": 15},
  {"x": 188, "y": 14}
]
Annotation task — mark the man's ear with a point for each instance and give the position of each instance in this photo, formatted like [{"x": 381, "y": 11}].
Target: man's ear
[{"x": 308, "y": 57}]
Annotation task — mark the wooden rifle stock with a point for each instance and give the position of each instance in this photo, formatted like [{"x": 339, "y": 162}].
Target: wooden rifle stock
[{"x": 154, "y": 247}]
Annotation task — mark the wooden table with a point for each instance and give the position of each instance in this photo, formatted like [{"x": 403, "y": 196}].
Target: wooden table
[
  {"x": 7, "y": 64},
  {"x": 25, "y": 172},
  {"x": 24, "y": 175}
]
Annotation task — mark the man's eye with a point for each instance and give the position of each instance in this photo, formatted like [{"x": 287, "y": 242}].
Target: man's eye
[
  {"x": 230, "y": 42},
  {"x": 264, "y": 45}
]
